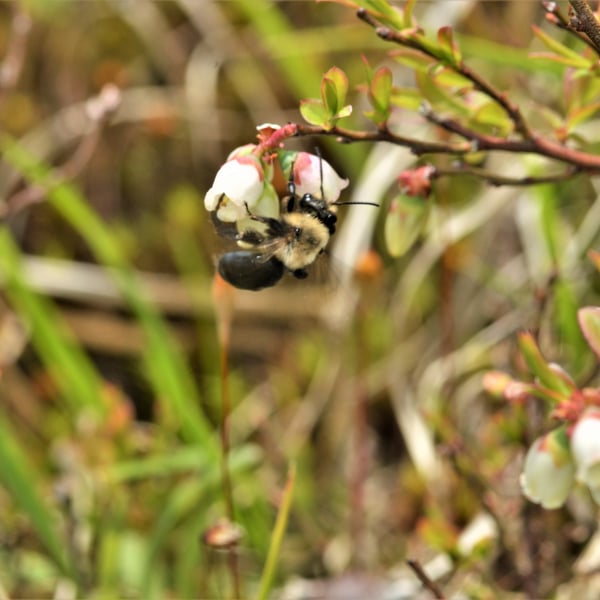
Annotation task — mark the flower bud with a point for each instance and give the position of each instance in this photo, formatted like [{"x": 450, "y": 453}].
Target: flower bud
[
  {"x": 585, "y": 446},
  {"x": 548, "y": 471},
  {"x": 307, "y": 177}
]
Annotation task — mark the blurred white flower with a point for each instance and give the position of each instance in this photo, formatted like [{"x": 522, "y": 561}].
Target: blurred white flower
[
  {"x": 548, "y": 473},
  {"x": 585, "y": 446},
  {"x": 307, "y": 177},
  {"x": 239, "y": 182}
]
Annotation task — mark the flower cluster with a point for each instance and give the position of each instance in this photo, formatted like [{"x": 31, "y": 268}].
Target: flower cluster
[
  {"x": 243, "y": 185},
  {"x": 562, "y": 457},
  {"x": 570, "y": 453}
]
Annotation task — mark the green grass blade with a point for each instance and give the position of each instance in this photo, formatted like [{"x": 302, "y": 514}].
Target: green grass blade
[
  {"x": 68, "y": 366},
  {"x": 268, "y": 574},
  {"x": 19, "y": 478},
  {"x": 166, "y": 367}
]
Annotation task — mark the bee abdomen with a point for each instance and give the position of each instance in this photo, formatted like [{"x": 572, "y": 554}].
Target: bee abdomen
[{"x": 247, "y": 270}]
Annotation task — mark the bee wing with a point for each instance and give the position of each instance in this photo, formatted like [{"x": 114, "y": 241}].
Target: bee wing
[{"x": 268, "y": 248}]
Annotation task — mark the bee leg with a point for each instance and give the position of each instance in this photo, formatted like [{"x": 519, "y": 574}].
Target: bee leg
[
  {"x": 251, "y": 236},
  {"x": 274, "y": 227}
]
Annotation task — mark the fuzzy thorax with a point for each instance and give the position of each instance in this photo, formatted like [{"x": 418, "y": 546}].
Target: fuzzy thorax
[{"x": 306, "y": 239}]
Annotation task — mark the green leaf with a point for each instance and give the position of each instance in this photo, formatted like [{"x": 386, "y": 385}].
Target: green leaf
[
  {"x": 380, "y": 90},
  {"x": 448, "y": 46},
  {"x": 408, "y": 98},
  {"x": 556, "y": 58},
  {"x": 568, "y": 56},
  {"x": 565, "y": 301},
  {"x": 491, "y": 115},
  {"x": 413, "y": 59},
  {"x": 345, "y": 111},
  {"x": 383, "y": 10},
  {"x": 540, "y": 368},
  {"x": 438, "y": 97},
  {"x": 339, "y": 79},
  {"x": 407, "y": 13},
  {"x": 404, "y": 223},
  {"x": 589, "y": 321},
  {"x": 329, "y": 96},
  {"x": 448, "y": 77},
  {"x": 315, "y": 113},
  {"x": 578, "y": 116}
]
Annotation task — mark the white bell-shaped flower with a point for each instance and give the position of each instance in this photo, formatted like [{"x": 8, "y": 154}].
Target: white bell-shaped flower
[
  {"x": 307, "y": 177},
  {"x": 548, "y": 472},
  {"x": 585, "y": 446},
  {"x": 238, "y": 183}
]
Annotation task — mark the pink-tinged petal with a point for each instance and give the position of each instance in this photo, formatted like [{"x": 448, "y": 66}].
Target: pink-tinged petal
[
  {"x": 307, "y": 177},
  {"x": 548, "y": 472}
]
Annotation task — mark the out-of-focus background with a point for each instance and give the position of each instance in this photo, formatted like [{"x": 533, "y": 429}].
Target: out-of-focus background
[{"x": 115, "y": 117}]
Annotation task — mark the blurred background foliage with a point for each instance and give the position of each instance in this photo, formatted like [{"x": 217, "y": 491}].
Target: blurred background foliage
[{"x": 110, "y": 388}]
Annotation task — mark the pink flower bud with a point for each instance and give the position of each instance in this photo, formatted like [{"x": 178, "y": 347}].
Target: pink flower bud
[
  {"x": 585, "y": 446},
  {"x": 417, "y": 182},
  {"x": 548, "y": 471},
  {"x": 239, "y": 182},
  {"x": 307, "y": 177}
]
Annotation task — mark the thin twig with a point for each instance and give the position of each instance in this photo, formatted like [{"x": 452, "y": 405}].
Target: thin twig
[
  {"x": 411, "y": 40},
  {"x": 495, "y": 179},
  {"x": 555, "y": 16},
  {"x": 424, "y": 579},
  {"x": 585, "y": 20},
  {"x": 529, "y": 142},
  {"x": 13, "y": 61},
  {"x": 98, "y": 110}
]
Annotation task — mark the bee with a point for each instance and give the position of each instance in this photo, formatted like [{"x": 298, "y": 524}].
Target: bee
[{"x": 289, "y": 244}]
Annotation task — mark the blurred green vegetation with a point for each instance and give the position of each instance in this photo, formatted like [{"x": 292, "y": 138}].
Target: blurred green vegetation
[{"x": 110, "y": 383}]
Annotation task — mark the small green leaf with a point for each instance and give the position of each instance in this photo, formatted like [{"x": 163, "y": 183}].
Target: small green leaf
[
  {"x": 340, "y": 81},
  {"x": 448, "y": 46},
  {"x": 440, "y": 97},
  {"x": 380, "y": 90},
  {"x": 315, "y": 113},
  {"x": 589, "y": 321},
  {"x": 578, "y": 116},
  {"x": 448, "y": 77},
  {"x": 569, "y": 56},
  {"x": 539, "y": 367},
  {"x": 407, "y": 13},
  {"x": 491, "y": 115},
  {"x": 345, "y": 111},
  {"x": 404, "y": 223},
  {"x": 334, "y": 89},
  {"x": 368, "y": 68},
  {"x": 408, "y": 98},
  {"x": 556, "y": 58},
  {"x": 413, "y": 59},
  {"x": 329, "y": 96}
]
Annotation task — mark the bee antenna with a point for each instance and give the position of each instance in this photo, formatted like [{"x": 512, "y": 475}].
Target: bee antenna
[
  {"x": 320, "y": 171},
  {"x": 357, "y": 202}
]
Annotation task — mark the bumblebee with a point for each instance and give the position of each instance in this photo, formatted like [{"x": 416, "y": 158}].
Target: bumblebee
[{"x": 291, "y": 243}]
